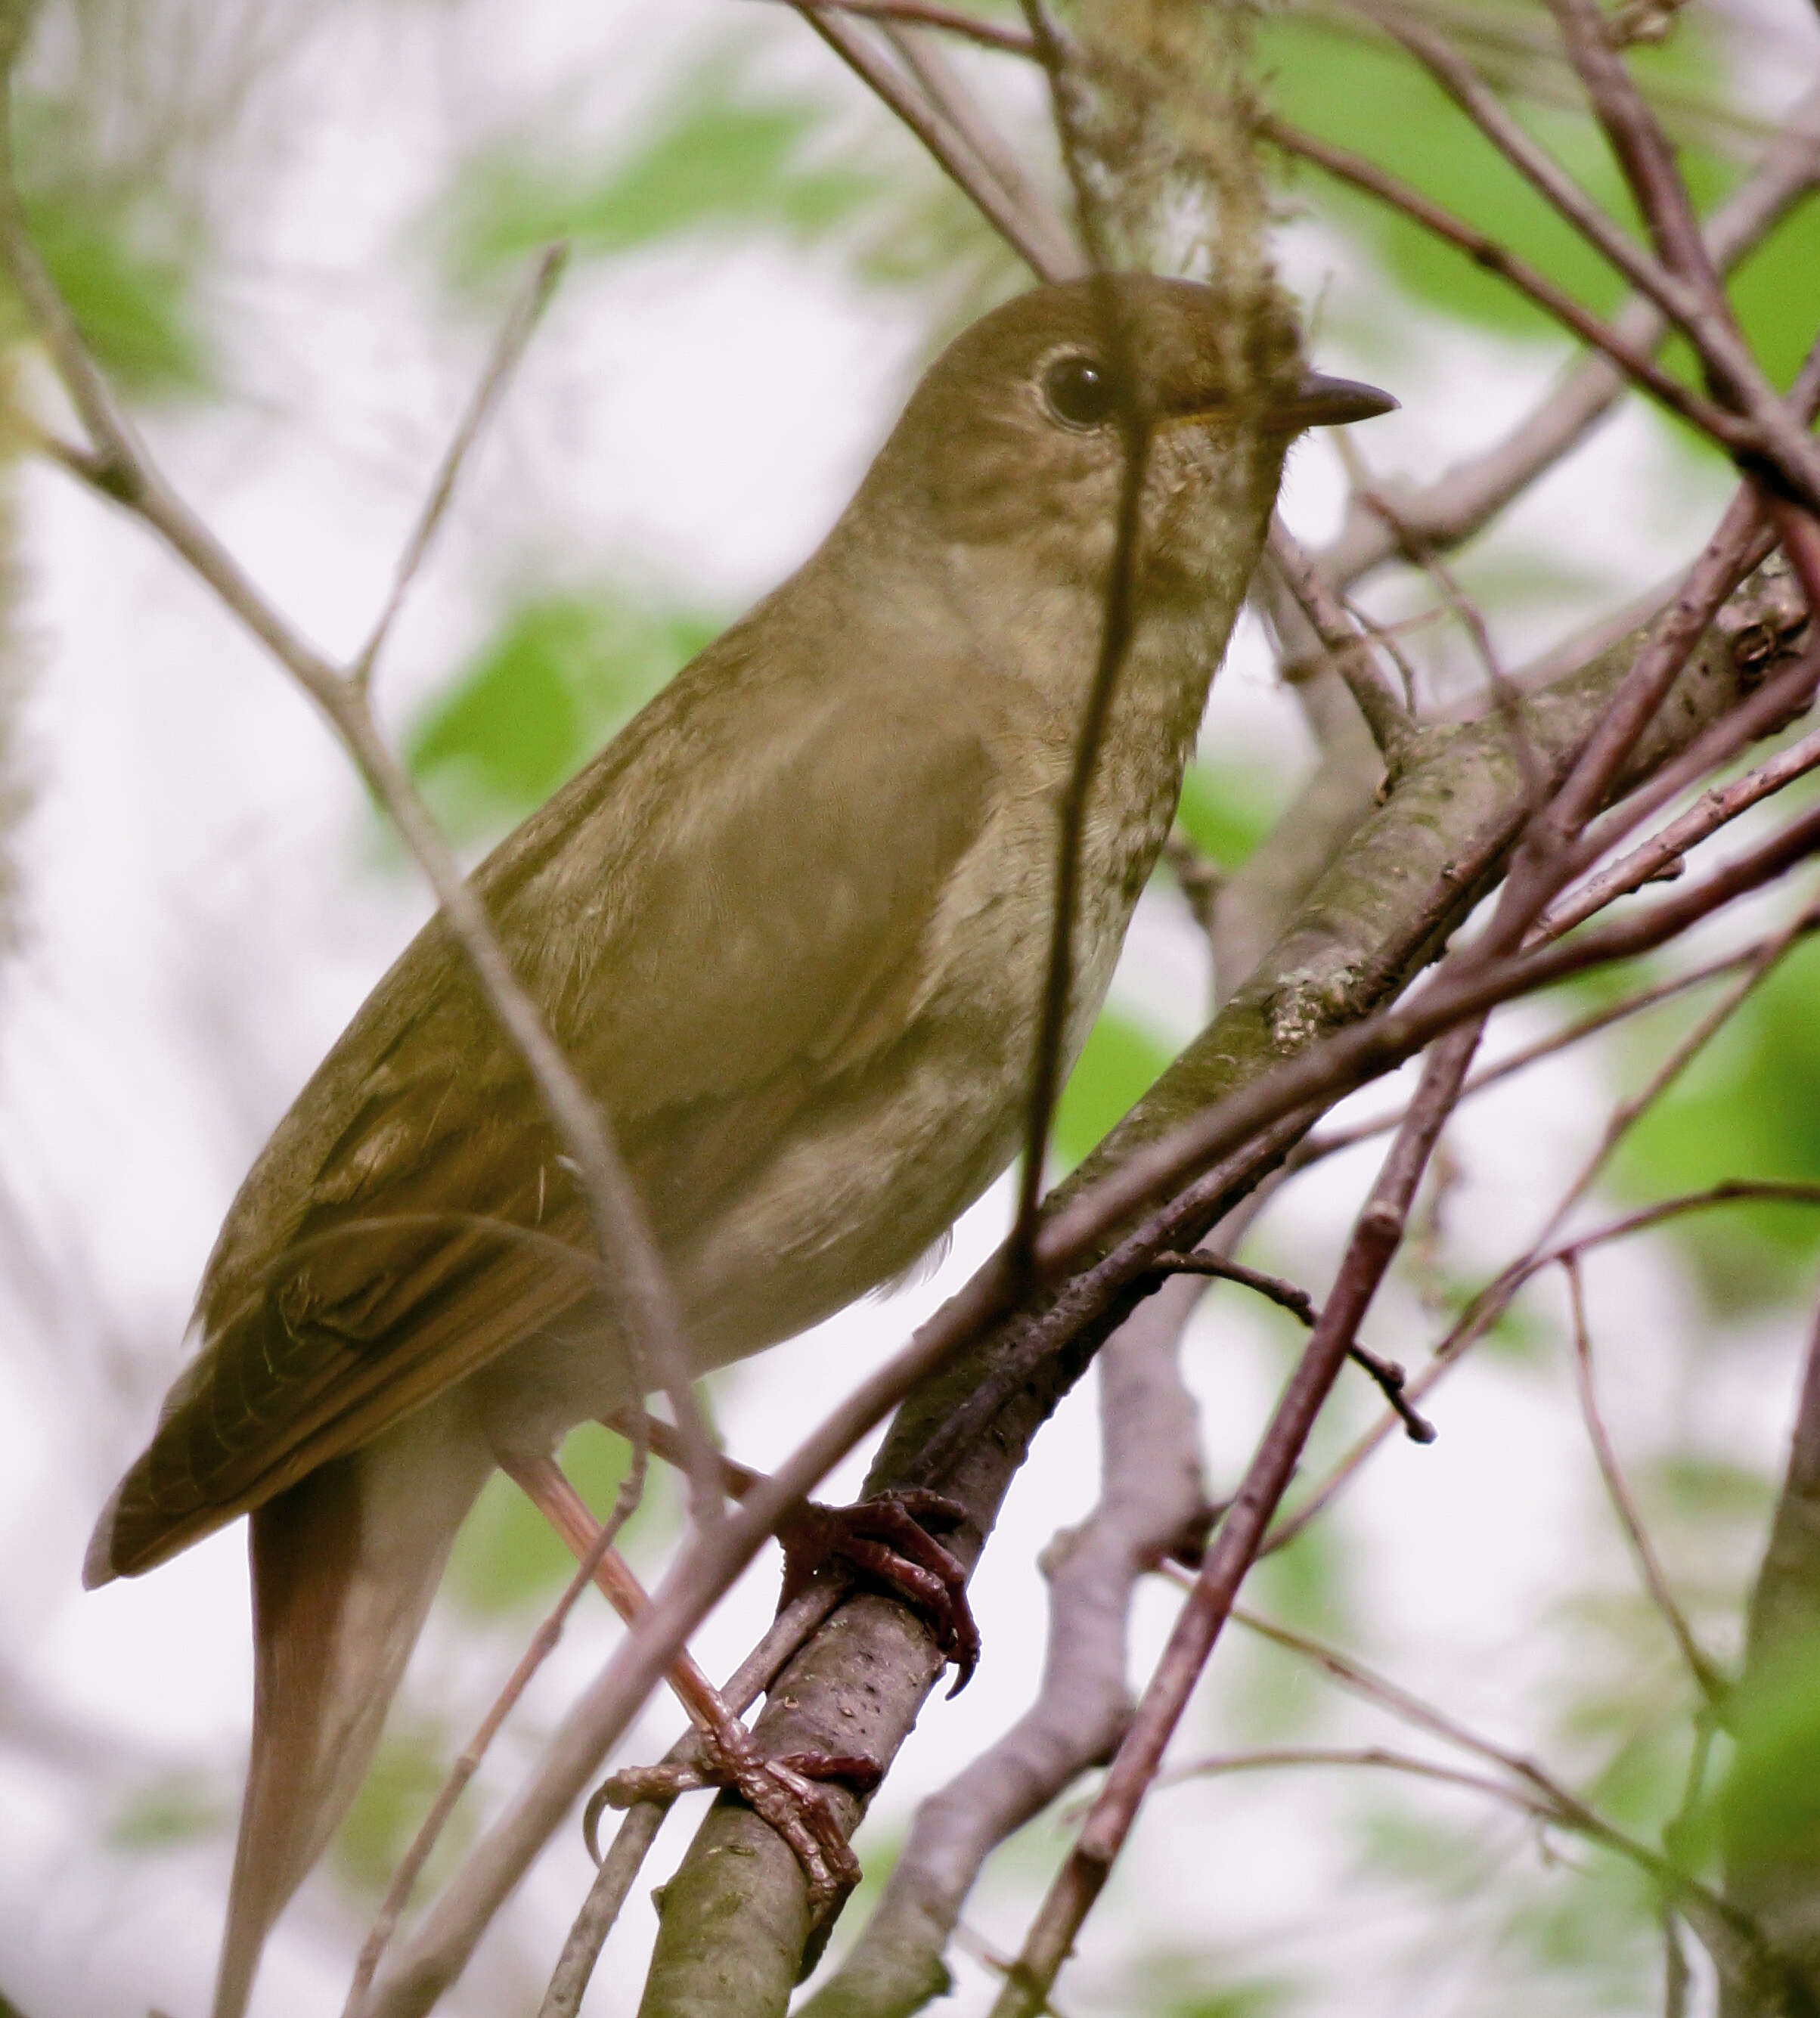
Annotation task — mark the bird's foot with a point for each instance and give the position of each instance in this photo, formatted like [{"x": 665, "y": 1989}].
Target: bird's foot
[
  {"x": 789, "y": 1792},
  {"x": 888, "y": 1540}
]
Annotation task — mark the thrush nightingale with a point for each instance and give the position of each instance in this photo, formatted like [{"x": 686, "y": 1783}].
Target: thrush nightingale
[{"x": 791, "y": 927}]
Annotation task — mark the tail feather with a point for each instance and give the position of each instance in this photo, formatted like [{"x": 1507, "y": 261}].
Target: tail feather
[{"x": 344, "y": 1566}]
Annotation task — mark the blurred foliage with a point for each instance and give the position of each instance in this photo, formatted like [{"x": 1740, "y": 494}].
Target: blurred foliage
[
  {"x": 714, "y": 157},
  {"x": 1771, "y": 1799},
  {"x": 1328, "y": 74},
  {"x": 408, "y": 1769},
  {"x": 127, "y": 254},
  {"x": 1591, "y": 1927},
  {"x": 1119, "y": 1063},
  {"x": 507, "y": 1555},
  {"x": 1226, "y": 808},
  {"x": 1271, "y": 1696},
  {"x": 1178, "y": 1988},
  {"x": 560, "y": 672},
  {"x": 726, "y": 153},
  {"x": 1745, "y": 1107},
  {"x": 178, "y": 1809}
]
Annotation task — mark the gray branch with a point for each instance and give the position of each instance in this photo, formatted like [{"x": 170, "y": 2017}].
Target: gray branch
[
  {"x": 1375, "y": 918},
  {"x": 1151, "y": 1493}
]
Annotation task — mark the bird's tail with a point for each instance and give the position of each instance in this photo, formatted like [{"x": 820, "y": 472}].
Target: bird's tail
[{"x": 344, "y": 1565}]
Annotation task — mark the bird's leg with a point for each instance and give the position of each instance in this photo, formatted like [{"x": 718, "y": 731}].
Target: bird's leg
[
  {"x": 781, "y": 1791},
  {"x": 891, "y": 1539}
]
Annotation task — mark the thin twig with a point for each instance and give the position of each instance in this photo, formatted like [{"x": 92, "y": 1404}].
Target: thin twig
[
  {"x": 946, "y": 91},
  {"x": 1117, "y": 619},
  {"x": 1298, "y": 1302},
  {"x": 1376, "y": 1237},
  {"x": 1366, "y": 1050},
  {"x": 1665, "y": 850},
  {"x": 639, "y": 1826},
  {"x": 927, "y": 14},
  {"x": 1317, "y": 1147},
  {"x": 1738, "y": 1945},
  {"x": 1648, "y": 167},
  {"x": 1466, "y": 613},
  {"x": 1491, "y": 1302},
  {"x": 508, "y": 348},
  {"x": 1389, "y": 1378},
  {"x": 1458, "y": 504},
  {"x": 1711, "y": 1684},
  {"x": 940, "y": 135},
  {"x": 1218, "y": 1763},
  {"x": 1784, "y": 695},
  {"x": 1632, "y": 359},
  {"x": 1385, "y": 716},
  {"x": 1701, "y": 317},
  {"x": 543, "y": 1644}
]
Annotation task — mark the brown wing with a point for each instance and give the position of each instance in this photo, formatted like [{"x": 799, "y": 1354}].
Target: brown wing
[{"x": 716, "y": 915}]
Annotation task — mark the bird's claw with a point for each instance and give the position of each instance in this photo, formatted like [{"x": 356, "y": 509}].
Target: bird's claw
[
  {"x": 888, "y": 1540},
  {"x": 788, "y": 1792}
]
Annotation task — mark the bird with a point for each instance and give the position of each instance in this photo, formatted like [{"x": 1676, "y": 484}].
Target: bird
[{"x": 791, "y": 926}]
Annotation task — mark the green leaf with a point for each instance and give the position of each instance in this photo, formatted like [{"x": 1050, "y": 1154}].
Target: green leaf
[
  {"x": 1226, "y": 811},
  {"x": 407, "y": 1770},
  {"x": 718, "y": 156},
  {"x": 1743, "y": 1108},
  {"x": 133, "y": 301},
  {"x": 1363, "y": 93},
  {"x": 1119, "y": 1065},
  {"x": 126, "y": 251},
  {"x": 560, "y": 672},
  {"x": 170, "y": 1812}
]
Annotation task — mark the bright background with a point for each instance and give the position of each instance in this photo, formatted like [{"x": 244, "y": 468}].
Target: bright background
[{"x": 290, "y": 229}]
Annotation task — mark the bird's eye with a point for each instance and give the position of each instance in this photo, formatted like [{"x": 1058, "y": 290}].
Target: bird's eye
[{"x": 1078, "y": 392}]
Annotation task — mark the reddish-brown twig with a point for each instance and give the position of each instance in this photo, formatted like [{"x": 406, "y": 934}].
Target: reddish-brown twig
[
  {"x": 1376, "y": 1238},
  {"x": 1457, "y": 504},
  {"x": 1385, "y": 715},
  {"x": 1633, "y": 360},
  {"x": 1034, "y": 245},
  {"x": 929, "y": 14},
  {"x": 543, "y": 1644},
  {"x": 1665, "y": 850},
  {"x": 1330, "y": 1142}
]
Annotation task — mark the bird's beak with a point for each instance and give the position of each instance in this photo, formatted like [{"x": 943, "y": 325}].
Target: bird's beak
[{"x": 1321, "y": 402}]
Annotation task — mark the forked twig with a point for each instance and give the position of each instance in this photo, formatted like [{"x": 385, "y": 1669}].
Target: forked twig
[
  {"x": 1632, "y": 359},
  {"x": 1712, "y": 1684},
  {"x": 508, "y": 348},
  {"x": 1392, "y": 728},
  {"x": 1376, "y": 1235},
  {"x": 942, "y": 137},
  {"x": 121, "y": 468}
]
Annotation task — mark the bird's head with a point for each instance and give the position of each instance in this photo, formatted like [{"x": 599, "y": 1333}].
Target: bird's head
[{"x": 1018, "y": 434}]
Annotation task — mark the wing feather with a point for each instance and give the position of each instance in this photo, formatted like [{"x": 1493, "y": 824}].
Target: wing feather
[{"x": 720, "y": 916}]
